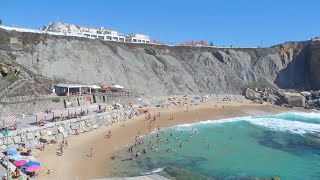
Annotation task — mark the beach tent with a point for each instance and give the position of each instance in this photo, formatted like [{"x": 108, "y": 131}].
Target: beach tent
[
  {"x": 118, "y": 87},
  {"x": 95, "y": 87},
  {"x": 57, "y": 112},
  {"x": 40, "y": 115}
]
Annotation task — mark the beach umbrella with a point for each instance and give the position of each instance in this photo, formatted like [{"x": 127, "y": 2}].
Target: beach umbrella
[
  {"x": 15, "y": 157},
  {"x": 32, "y": 163},
  {"x": 118, "y": 87},
  {"x": 11, "y": 148},
  {"x": 32, "y": 168},
  {"x": 11, "y": 153},
  {"x": 19, "y": 162}
]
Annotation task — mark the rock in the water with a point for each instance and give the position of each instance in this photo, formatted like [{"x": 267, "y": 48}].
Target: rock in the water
[
  {"x": 306, "y": 93},
  {"x": 295, "y": 99},
  {"x": 251, "y": 94}
]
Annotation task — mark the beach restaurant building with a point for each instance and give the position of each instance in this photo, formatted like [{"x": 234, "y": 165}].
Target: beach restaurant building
[{"x": 74, "y": 89}]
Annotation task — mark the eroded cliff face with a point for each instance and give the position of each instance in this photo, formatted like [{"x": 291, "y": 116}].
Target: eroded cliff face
[
  {"x": 170, "y": 70},
  {"x": 314, "y": 64}
]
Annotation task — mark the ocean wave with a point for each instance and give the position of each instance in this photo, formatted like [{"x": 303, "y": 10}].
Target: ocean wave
[
  {"x": 292, "y": 122},
  {"x": 156, "y": 170},
  {"x": 295, "y": 127},
  {"x": 312, "y": 117}
]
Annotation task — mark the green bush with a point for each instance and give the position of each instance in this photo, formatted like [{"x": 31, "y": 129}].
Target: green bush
[
  {"x": 56, "y": 99},
  {"x": 260, "y": 84},
  {"x": 11, "y": 78},
  {"x": 150, "y": 51}
]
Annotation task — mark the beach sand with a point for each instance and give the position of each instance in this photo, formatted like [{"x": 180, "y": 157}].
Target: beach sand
[{"x": 76, "y": 160}]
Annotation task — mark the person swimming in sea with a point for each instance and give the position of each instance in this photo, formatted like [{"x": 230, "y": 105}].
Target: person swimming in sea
[
  {"x": 180, "y": 145},
  {"x": 167, "y": 140}
]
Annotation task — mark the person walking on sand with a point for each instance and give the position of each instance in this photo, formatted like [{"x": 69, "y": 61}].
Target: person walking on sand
[
  {"x": 61, "y": 150},
  {"x": 66, "y": 143},
  {"x": 91, "y": 152}
]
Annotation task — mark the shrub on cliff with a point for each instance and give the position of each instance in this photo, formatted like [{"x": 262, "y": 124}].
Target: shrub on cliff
[
  {"x": 11, "y": 77},
  {"x": 151, "y": 51},
  {"x": 56, "y": 99},
  {"x": 260, "y": 84}
]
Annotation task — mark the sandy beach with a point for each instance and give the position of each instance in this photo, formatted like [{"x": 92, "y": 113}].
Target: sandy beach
[{"x": 76, "y": 160}]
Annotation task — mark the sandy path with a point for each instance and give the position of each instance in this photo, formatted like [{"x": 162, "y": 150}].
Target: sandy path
[{"x": 75, "y": 161}]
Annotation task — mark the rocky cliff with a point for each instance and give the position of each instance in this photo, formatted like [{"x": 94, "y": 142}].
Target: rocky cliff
[{"x": 162, "y": 70}]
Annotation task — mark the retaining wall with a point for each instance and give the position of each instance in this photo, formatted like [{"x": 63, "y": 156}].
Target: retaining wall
[{"x": 63, "y": 129}]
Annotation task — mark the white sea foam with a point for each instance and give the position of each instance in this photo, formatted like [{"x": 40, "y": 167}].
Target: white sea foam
[
  {"x": 314, "y": 114},
  {"x": 155, "y": 170},
  {"x": 295, "y": 127},
  {"x": 274, "y": 123}
]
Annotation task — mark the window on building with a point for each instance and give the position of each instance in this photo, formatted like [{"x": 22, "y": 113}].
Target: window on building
[
  {"x": 134, "y": 40},
  {"x": 115, "y": 38},
  {"x": 139, "y": 41}
]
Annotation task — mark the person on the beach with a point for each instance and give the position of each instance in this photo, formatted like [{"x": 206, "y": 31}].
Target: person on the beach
[
  {"x": 144, "y": 150},
  {"x": 61, "y": 150},
  {"x": 66, "y": 143},
  {"x": 159, "y": 114},
  {"x": 208, "y": 146},
  {"x": 171, "y": 134},
  {"x": 167, "y": 141},
  {"x": 91, "y": 152},
  {"x": 49, "y": 172},
  {"x": 156, "y": 149},
  {"x": 180, "y": 145}
]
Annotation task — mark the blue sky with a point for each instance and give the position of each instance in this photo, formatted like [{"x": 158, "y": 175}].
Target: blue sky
[{"x": 224, "y": 22}]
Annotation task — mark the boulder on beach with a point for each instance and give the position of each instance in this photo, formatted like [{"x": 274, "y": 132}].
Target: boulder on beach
[
  {"x": 295, "y": 99},
  {"x": 251, "y": 94}
]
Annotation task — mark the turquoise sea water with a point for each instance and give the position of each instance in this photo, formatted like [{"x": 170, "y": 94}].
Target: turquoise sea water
[{"x": 285, "y": 145}]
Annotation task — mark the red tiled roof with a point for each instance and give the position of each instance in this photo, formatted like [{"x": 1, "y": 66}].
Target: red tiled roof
[
  {"x": 194, "y": 43},
  {"x": 155, "y": 42}
]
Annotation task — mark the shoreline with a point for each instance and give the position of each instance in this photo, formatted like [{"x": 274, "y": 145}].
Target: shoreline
[{"x": 76, "y": 162}]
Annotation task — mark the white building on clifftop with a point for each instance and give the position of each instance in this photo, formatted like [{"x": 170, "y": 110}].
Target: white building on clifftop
[
  {"x": 83, "y": 31},
  {"x": 137, "y": 38}
]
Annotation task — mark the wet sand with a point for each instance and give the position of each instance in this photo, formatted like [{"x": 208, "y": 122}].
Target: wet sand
[{"x": 77, "y": 162}]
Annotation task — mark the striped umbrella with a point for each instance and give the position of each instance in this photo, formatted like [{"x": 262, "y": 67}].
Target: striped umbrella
[{"x": 9, "y": 119}]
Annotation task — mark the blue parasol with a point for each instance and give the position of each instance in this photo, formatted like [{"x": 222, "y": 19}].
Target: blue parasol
[
  {"x": 32, "y": 163},
  {"x": 11, "y": 153}
]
